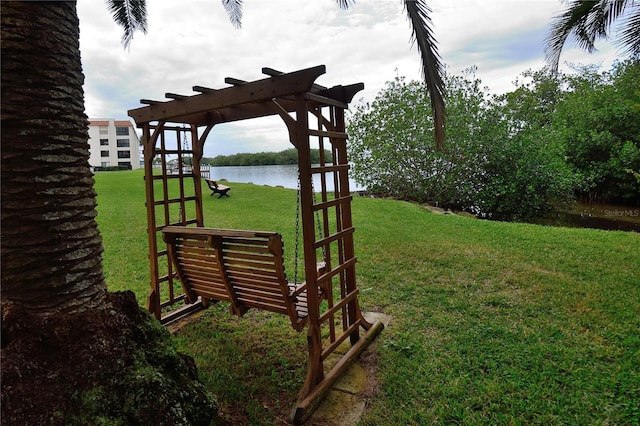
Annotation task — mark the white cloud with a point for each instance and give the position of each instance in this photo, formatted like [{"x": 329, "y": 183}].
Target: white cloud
[{"x": 192, "y": 43}]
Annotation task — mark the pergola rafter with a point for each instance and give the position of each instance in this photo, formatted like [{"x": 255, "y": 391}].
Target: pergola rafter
[
  {"x": 213, "y": 106},
  {"x": 314, "y": 117}
]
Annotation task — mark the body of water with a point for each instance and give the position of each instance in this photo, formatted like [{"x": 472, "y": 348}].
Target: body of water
[
  {"x": 599, "y": 216},
  {"x": 285, "y": 176}
]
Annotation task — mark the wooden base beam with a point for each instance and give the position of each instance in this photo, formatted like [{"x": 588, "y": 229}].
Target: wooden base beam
[{"x": 307, "y": 404}]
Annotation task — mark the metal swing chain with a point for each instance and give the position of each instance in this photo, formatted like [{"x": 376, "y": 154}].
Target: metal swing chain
[
  {"x": 295, "y": 270},
  {"x": 313, "y": 191},
  {"x": 185, "y": 148},
  {"x": 185, "y": 145}
]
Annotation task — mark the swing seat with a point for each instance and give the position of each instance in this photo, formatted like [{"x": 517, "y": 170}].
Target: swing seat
[{"x": 244, "y": 268}]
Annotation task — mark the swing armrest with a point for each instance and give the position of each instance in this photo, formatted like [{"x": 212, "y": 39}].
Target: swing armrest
[{"x": 297, "y": 288}]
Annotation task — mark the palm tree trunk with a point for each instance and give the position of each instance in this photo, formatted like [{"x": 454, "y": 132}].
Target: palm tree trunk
[
  {"x": 51, "y": 247},
  {"x": 53, "y": 289}
]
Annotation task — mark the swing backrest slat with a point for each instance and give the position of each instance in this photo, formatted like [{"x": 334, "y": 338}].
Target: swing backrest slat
[{"x": 245, "y": 268}]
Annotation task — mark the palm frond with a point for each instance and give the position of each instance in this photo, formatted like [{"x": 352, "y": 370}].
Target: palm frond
[
  {"x": 571, "y": 20},
  {"x": 432, "y": 67},
  {"x": 630, "y": 32},
  {"x": 131, "y": 15},
  {"x": 615, "y": 8},
  {"x": 234, "y": 10},
  {"x": 345, "y": 4},
  {"x": 589, "y": 21}
]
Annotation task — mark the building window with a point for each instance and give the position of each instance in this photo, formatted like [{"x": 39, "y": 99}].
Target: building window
[
  {"x": 124, "y": 154},
  {"x": 105, "y": 164},
  {"x": 104, "y": 153},
  {"x": 125, "y": 163},
  {"x": 104, "y": 142},
  {"x": 122, "y": 131},
  {"x": 123, "y": 143},
  {"x": 104, "y": 130}
]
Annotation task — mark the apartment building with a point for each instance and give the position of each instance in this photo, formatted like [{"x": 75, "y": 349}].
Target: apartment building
[{"x": 113, "y": 143}]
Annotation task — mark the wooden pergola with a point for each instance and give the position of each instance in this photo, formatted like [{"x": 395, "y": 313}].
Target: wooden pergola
[{"x": 181, "y": 248}]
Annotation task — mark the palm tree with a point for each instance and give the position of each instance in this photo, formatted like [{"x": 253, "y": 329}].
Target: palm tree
[
  {"x": 590, "y": 20},
  {"x": 51, "y": 248},
  {"x": 55, "y": 305}
]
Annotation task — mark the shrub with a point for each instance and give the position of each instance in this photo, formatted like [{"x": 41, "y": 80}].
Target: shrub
[{"x": 494, "y": 163}]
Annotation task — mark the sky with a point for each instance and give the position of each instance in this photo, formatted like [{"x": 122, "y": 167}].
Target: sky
[{"x": 192, "y": 42}]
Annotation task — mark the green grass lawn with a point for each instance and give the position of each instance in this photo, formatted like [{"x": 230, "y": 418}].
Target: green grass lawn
[{"x": 492, "y": 323}]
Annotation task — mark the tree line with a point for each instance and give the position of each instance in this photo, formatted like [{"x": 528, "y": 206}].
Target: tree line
[
  {"x": 286, "y": 157},
  {"x": 514, "y": 156}
]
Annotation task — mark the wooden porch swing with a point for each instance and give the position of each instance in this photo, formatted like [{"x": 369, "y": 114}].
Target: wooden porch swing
[{"x": 191, "y": 264}]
